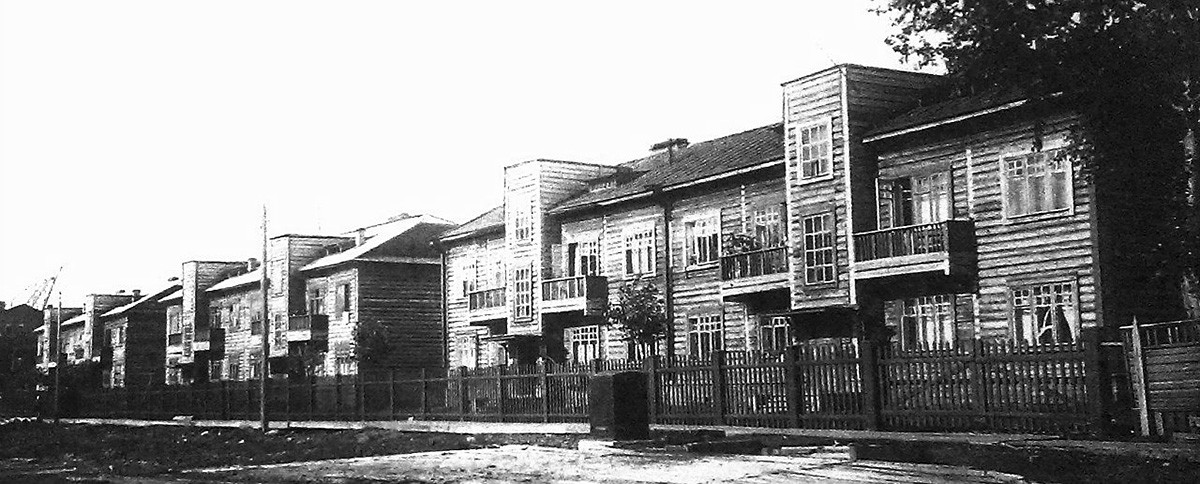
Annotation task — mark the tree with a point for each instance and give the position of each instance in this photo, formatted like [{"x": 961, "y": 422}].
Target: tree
[
  {"x": 1131, "y": 68},
  {"x": 371, "y": 343},
  {"x": 639, "y": 311}
]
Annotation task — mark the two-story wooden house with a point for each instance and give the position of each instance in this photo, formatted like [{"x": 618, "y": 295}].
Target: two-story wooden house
[{"x": 132, "y": 350}]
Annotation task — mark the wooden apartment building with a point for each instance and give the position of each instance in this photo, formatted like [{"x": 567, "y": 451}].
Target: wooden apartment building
[
  {"x": 860, "y": 213},
  {"x": 132, "y": 352}
]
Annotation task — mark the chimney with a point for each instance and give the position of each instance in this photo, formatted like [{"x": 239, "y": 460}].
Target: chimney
[
  {"x": 136, "y": 293},
  {"x": 671, "y": 145},
  {"x": 251, "y": 264},
  {"x": 360, "y": 237}
]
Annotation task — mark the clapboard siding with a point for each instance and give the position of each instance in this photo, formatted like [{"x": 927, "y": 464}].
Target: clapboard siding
[
  {"x": 341, "y": 323},
  {"x": 246, "y": 305},
  {"x": 814, "y": 99},
  {"x": 406, "y": 299},
  {"x": 141, "y": 357},
  {"x": 1011, "y": 252},
  {"x": 459, "y": 256},
  {"x": 197, "y": 277}
]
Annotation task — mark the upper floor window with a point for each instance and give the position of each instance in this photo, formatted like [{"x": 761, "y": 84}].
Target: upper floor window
[
  {"x": 705, "y": 335},
  {"x": 810, "y": 145},
  {"x": 1036, "y": 183},
  {"x": 914, "y": 200},
  {"x": 583, "y": 343},
  {"x": 523, "y": 281},
  {"x": 174, "y": 322},
  {"x": 639, "y": 251},
  {"x": 1045, "y": 313},
  {"x": 342, "y": 302},
  {"x": 927, "y": 322},
  {"x": 702, "y": 239},
  {"x": 523, "y": 221},
  {"x": 774, "y": 335},
  {"x": 316, "y": 301},
  {"x": 819, "y": 254},
  {"x": 768, "y": 226},
  {"x": 583, "y": 258}
]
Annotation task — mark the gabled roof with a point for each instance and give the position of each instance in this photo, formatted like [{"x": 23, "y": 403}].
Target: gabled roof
[
  {"x": 487, "y": 221},
  {"x": 153, "y": 297},
  {"x": 75, "y": 320},
  {"x": 384, "y": 235},
  {"x": 695, "y": 163},
  {"x": 244, "y": 279},
  {"x": 948, "y": 111},
  {"x": 172, "y": 297}
]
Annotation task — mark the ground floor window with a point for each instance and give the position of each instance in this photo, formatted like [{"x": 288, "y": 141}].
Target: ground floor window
[
  {"x": 774, "y": 334},
  {"x": 1045, "y": 313},
  {"x": 216, "y": 370},
  {"x": 583, "y": 343},
  {"x": 174, "y": 376},
  {"x": 118, "y": 375},
  {"x": 927, "y": 321},
  {"x": 466, "y": 349},
  {"x": 254, "y": 367},
  {"x": 705, "y": 335}
]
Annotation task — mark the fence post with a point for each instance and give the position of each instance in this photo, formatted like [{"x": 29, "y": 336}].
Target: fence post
[
  {"x": 424, "y": 394},
  {"x": 500, "y": 391},
  {"x": 287, "y": 400},
  {"x": 1138, "y": 377},
  {"x": 651, "y": 365},
  {"x": 224, "y": 400},
  {"x": 360, "y": 391},
  {"x": 464, "y": 400},
  {"x": 544, "y": 381},
  {"x": 978, "y": 381},
  {"x": 718, "y": 386},
  {"x": 792, "y": 385},
  {"x": 1099, "y": 388},
  {"x": 312, "y": 397},
  {"x": 868, "y": 364},
  {"x": 392, "y": 394},
  {"x": 337, "y": 395}
]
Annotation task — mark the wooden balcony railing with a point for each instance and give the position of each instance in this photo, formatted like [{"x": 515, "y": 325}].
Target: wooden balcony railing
[
  {"x": 312, "y": 322},
  {"x": 565, "y": 288},
  {"x": 947, "y": 236},
  {"x": 486, "y": 299},
  {"x": 755, "y": 263}
]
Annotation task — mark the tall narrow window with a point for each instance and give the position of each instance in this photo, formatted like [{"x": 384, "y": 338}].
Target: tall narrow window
[
  {"x": 1045, "y": 313},
  {"x": 639, "y": 251},
  {"x": 812, "y": 149},
  {"x": 702, "y": 238},
  {"x": 927, "y": 322},
  {"x": 587, "y": 258},
  {"x": 583, "y": 343},
  {"x": 705, "y": 335},
  {"x": 467, "y": 347},
  {"x": 174, "y": 321},
  {"x": 1036, "y": 183},
  {"x": 768, "y": 227},
  {"x": 316, "y": 301},
  {"x": 523, "y": 281},
  {"x": 342, "y": 300},
  {"x": 523, "y": 221},
  {"x": 774, "y": 335},
  {"x": 819, "y": 256}
]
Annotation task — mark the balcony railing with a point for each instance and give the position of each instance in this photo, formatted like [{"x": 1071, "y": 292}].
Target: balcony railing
[
  {"x": 755, "y": 263},
  {"x": 912, "y": 240},
  {"x": 309, "y": 322},
  {"x": 175, "y": 339},
  {"x": 586, "y": 293},
  {"x": 210, "y": 339},
  {"x": 486, "y": 299}
]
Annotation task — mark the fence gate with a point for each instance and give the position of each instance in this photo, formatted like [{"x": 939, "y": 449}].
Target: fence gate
[{"x": 1164, "y": 372}]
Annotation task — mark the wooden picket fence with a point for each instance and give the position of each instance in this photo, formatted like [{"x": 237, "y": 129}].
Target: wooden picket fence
[
  {"x": 1164, "y": 369},
  {"x": 827, "y": 384}
]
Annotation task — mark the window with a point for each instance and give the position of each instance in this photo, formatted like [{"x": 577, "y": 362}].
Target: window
[
  {"x": 583, "y": 343},
  {"x": 316, "y": 301},
  {"x": 342, "y": 301},
  {"x": 774, "y": 335},
  {"x": 254, "y": 366},
  {"x": 705, "y": 335},
  {"x": 702, "y": 238},
  {"x": 1045, "y": 313},
  {"x": 174, "y": 321},
  {"x": 810, "y": 146},
  {"x": 523, "y": 221},
  {"x": 915, "y": 200},
  {"x": 927, "y": 322},
  {"x": 466, "y": 348},
  {"x": 1036, "y": 183},
  {"x": 583, "y": 258},
  {"x": 768, "y": 228},
  {"x": 819, "y": 254},
  {"x": 118, "y": 376},
  {"x": 214, "y": 370},
  {"x": 523, "y": 279},
  {"x": 639, "y": 251},
  {"x": 234, "y": 370}
]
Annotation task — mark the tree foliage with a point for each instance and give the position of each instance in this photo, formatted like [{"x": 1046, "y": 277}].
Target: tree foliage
[
  {"x": 371, "y": 342},
  {"x": 639, "y": 310},
  {"x": 1131, "y": 68}
]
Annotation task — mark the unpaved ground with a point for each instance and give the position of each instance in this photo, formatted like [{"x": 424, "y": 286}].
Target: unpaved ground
[{"x": 520, "y": 463}]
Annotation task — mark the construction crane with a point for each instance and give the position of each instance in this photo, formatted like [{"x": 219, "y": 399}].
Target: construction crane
[{"x": 39, "y": 292}]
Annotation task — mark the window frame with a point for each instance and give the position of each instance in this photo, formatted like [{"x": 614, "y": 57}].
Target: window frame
[
  {"x": 710, "y": 220},
  {"x": 773, "y": 324},
  {"x": 588, "y": 337},
  {"x": 523, "y": 297},
  {"x": 1049, "y": 154},
  {"x": 700, "y": 325},
  {"x": 928, "y": 306},
  {"x": 1074, "y": 320},
  {"x": 795, "y": 149},
  {"x": 644, "y": 238},
  {"x": 828, "y": 217}
]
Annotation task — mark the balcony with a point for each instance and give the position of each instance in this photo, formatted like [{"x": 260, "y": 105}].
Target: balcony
[
  {"x": 306, "y": 327},
  {"x": 947, "y": 247},
  {"x": 486, "y": 305},
  {"x": 754, "y": 271},
  {"x": 175, "y": 339},
  {"x": 580, "y": 293},
  {"x": 211, "y": 340}
]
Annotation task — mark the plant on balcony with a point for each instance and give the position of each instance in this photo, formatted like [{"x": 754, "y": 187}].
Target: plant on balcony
[
  {"x": 739, "y": 243},
  {"x": 639, "y": 310},
  {"x": 371, "y": 342}
]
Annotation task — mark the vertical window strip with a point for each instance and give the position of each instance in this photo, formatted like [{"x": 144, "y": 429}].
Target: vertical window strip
[{"x": 819, "y": 254}]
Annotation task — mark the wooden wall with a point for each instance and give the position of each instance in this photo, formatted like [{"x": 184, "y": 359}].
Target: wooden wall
[
  {"x": 239, "y": 342},
  {"x": 341, "y": 323},
  {"x": 197, "y": 277},
  {"x": 459, "y": 255},
  {"x": 407, "y": 300}
]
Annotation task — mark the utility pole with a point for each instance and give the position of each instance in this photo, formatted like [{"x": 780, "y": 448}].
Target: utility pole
[
  {"x": 57, "y": 355},
  {"x": 266, "y": 339}
]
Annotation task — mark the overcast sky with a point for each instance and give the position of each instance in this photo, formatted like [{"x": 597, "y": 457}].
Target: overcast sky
[{"x": 137, "y": 135}]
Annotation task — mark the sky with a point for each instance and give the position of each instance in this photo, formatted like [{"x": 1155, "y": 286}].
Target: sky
[{"x": 135, "y": 135}]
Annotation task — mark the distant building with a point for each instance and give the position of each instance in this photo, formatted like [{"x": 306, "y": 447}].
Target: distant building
[{"x": 132, "y": 351}]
